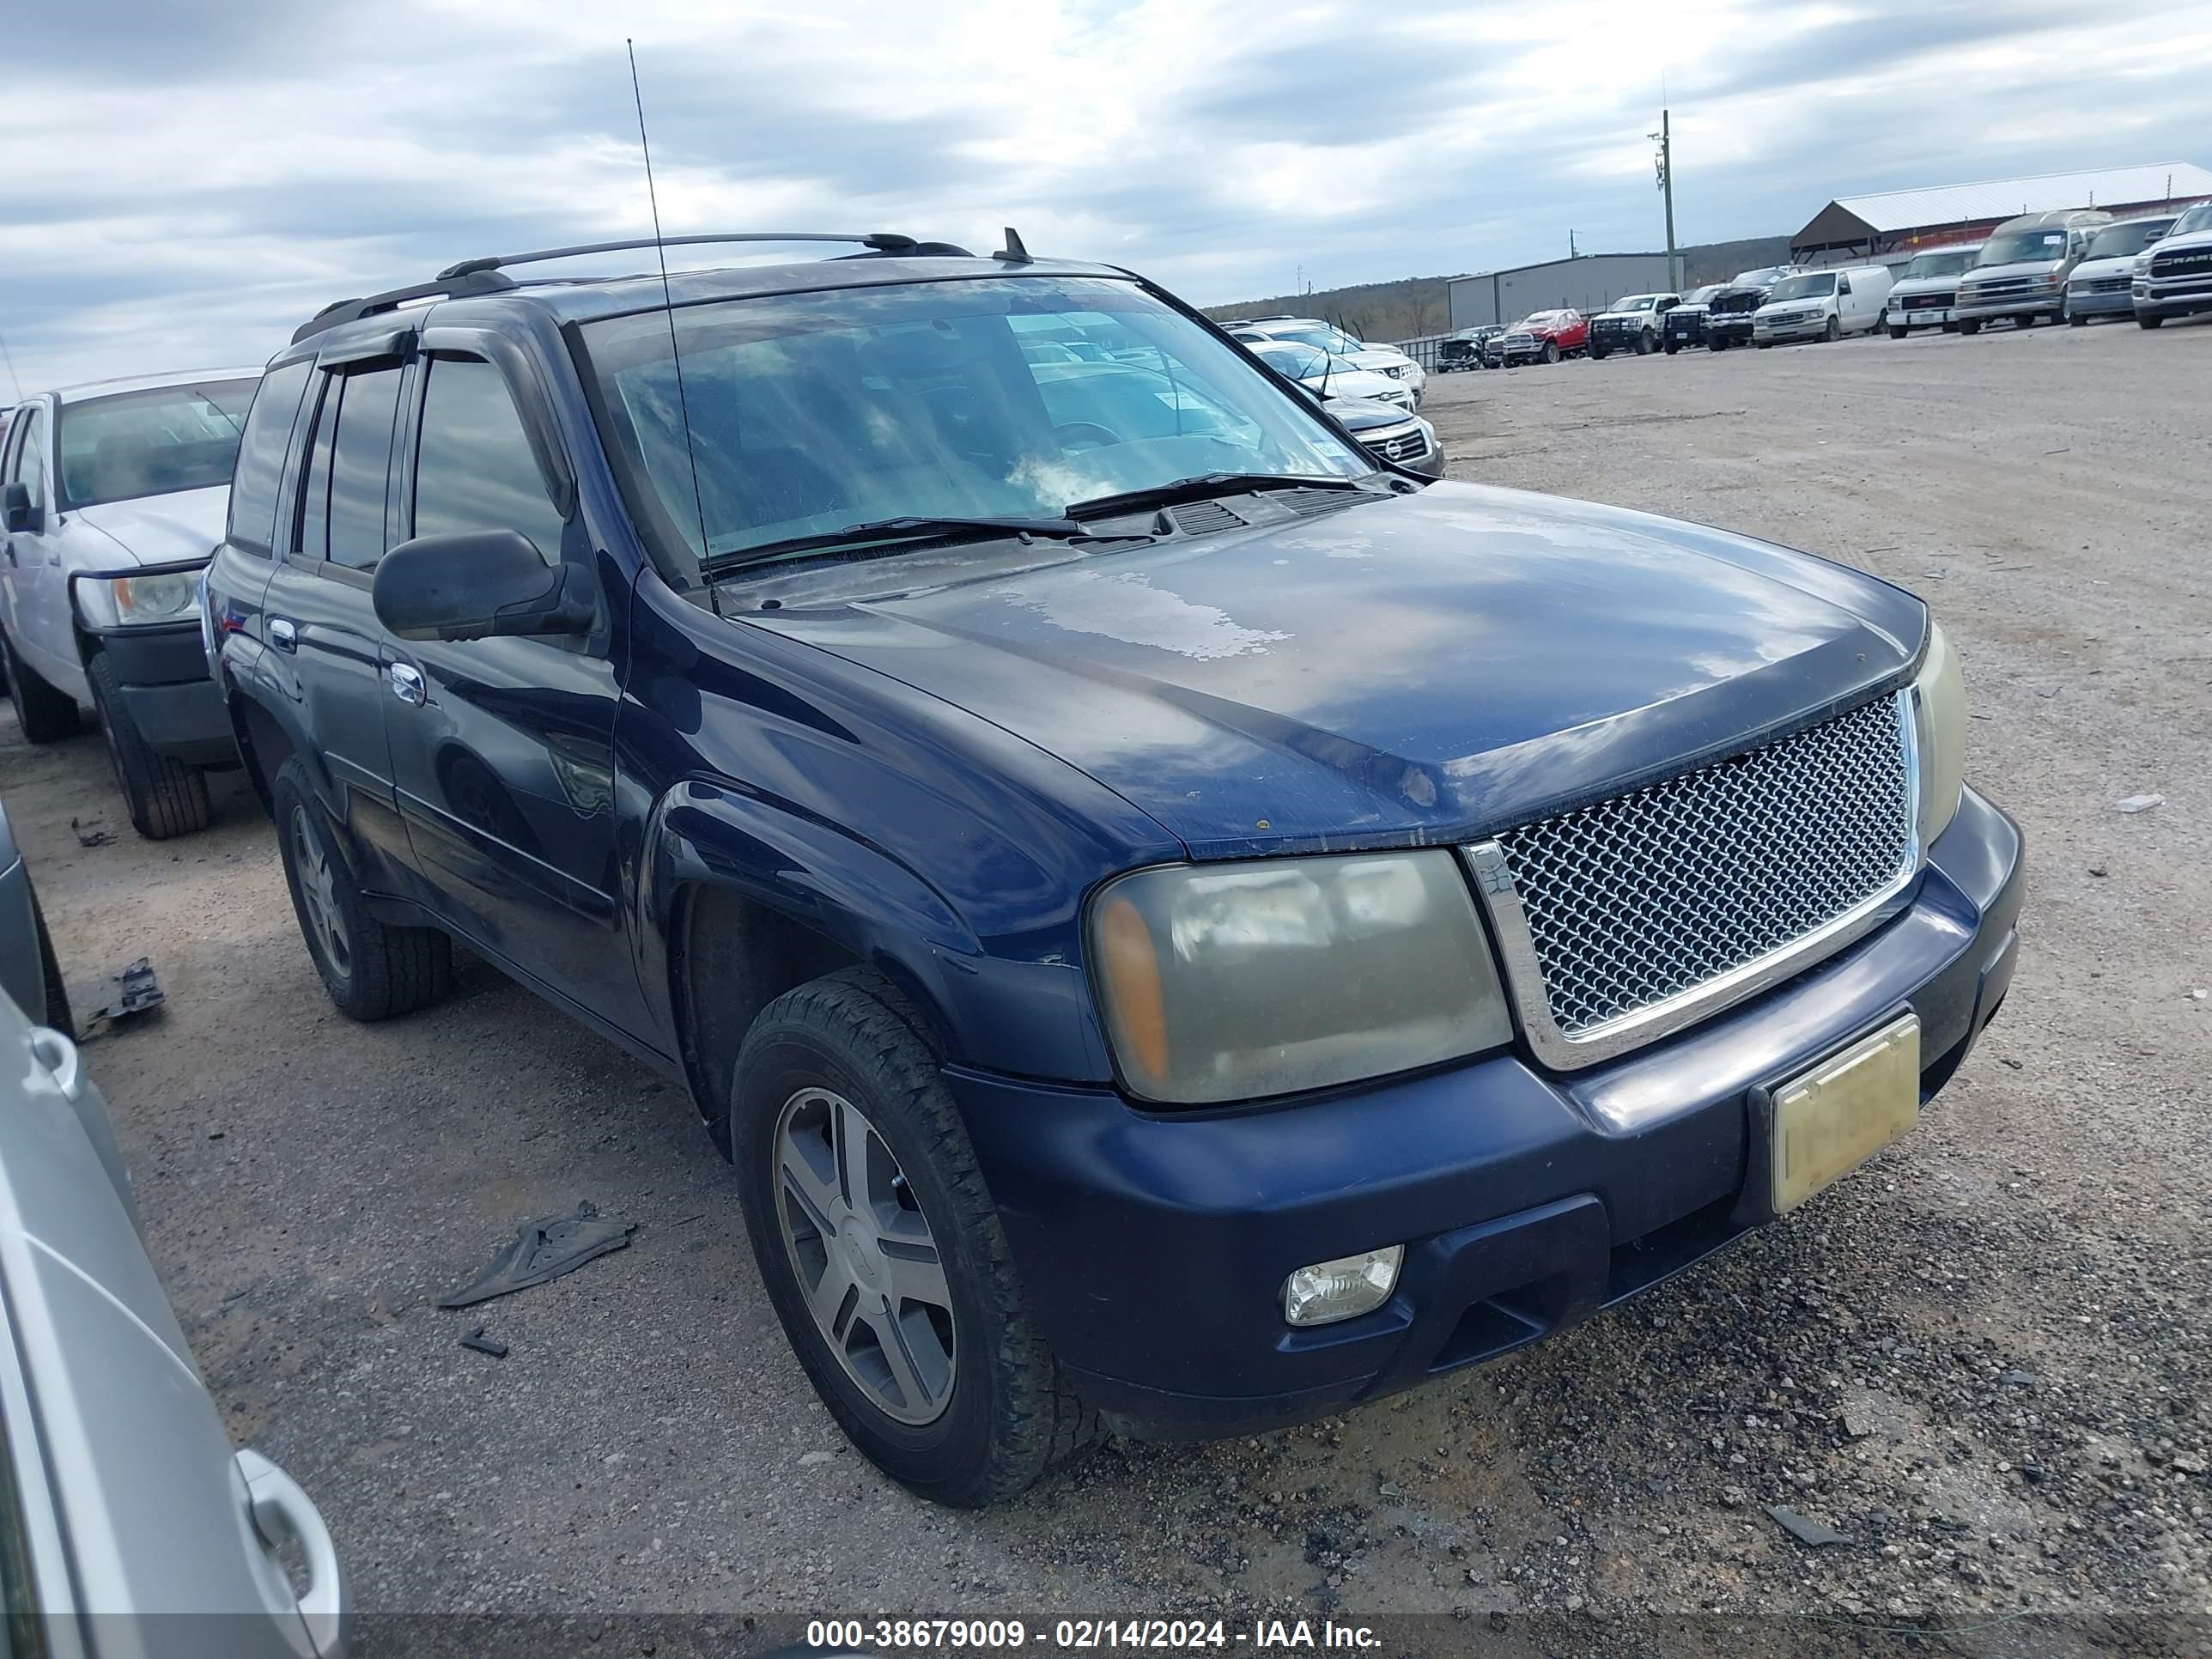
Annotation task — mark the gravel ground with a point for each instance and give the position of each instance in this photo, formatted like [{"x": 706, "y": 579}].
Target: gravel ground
[{"x": 1985, "y": 1359}]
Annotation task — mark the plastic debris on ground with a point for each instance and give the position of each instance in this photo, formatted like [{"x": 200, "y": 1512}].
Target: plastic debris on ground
[
  {"x": 544, "y": 1249},
  {"x": 133, "y": 992}
]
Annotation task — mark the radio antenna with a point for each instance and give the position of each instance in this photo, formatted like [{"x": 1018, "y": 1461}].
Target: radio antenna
[{"x": 668, "y": 308}]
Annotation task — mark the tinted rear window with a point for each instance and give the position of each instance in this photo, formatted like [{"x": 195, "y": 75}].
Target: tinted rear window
[{"x": 361, "y": 462}]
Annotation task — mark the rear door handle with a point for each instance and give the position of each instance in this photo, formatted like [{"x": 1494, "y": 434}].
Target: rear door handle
[
  {"x": 283, "y": 635},
  {"x": 406, "y": 683}
]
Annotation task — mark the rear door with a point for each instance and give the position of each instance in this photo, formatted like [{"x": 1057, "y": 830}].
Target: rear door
[
  {"x": 323, "y": 644},
  {"x": 503, "y": 750}
]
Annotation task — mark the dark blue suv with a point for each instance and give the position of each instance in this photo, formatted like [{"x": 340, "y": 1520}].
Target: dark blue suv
[{"x": 1181, "y": 926}]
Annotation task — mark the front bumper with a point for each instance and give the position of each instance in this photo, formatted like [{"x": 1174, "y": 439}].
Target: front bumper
[
  {"x": 2101, "y": 302},
  {"x": 1609, "y": 340},
  {"x": 2179, "y": 296},
  {"x": 1782, "y": 334},
  {"x": 1922, "y": 317},
  {"x": 2049, "y": 303},
  {"x": 163, "y": 672},
  {"x": 1728, "y": 332},
  {"x": 1153, "y": 1247}
]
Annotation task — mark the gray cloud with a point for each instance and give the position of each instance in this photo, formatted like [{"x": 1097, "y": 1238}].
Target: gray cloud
[{"x": 194, "y": 179}]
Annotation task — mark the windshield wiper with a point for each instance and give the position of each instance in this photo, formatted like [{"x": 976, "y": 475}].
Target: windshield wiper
[
  {"x": 903, "y": 531},
  {"x": 1197, "y": 488}
]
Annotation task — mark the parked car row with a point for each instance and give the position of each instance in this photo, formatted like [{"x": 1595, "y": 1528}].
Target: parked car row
[
  {"x": 2072, "y": 266},
  {"x": 999, "y": 744}
]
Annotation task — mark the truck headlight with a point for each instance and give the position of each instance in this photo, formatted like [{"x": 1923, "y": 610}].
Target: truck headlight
[
  {"x": 1939, "y": 717},
  {"x": 1232, "y": 981},
  {"x": 137, "y": 601}
]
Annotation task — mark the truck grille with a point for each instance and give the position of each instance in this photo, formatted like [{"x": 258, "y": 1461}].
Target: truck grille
[
  {"x": 1655, "y": 894},
  {"x": 1927, "y": 301},
  {"x": 2190, "y": 262}
]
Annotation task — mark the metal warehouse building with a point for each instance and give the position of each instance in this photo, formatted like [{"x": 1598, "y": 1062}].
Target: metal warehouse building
[
  {"x": 1896, "y": 222},
  {"x": 1588, "y": 283}
]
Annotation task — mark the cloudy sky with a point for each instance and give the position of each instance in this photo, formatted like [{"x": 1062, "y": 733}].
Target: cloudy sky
[{"x": 181, "y": 182}]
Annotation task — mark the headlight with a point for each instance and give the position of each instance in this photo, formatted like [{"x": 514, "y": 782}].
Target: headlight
[
  {"x": 1939, "y": 715},
  {"x": 137, "y": 601},
  {"x": 1232, "y": 981}
]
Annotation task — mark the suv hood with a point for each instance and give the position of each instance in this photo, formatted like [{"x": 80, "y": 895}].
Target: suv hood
[
  {"x": 1380, "y": 358},
  {"x": 1415, "y": 668},
  {"x": 2090, "y": 270},
  {"x": 1926, "y": 285},
  {"x": 163, "y": 529},
  {"x": 1625, "y": 316}
]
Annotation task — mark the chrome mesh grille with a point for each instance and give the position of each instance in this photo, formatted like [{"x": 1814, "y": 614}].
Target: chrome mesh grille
[{"x": 1660, "y": 891}]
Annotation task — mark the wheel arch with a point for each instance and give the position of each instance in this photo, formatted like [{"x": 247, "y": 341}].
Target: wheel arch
[{"x": 742, "y": 902}]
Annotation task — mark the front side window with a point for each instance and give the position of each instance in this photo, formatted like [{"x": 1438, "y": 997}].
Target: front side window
[
  {"x": 1809, "y": 287},
  {"x": 30, "y": 461},
  {"x": 361, "y": 467},
  {"x": 475, "y": 469},
  {"x": 253, "y": 484},
  {"x": 151, "y": 443},
  {"x": 810, "y": 413}
]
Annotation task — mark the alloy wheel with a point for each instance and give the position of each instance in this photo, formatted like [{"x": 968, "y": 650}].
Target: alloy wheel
[
  {"x": 867, "y": 1264},
  {"x": 318, "y": 893}
]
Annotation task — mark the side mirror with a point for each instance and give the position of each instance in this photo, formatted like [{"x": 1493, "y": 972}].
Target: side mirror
[
  {"x": 477, "y": 585},
  {"x": 23, "y": 519}
]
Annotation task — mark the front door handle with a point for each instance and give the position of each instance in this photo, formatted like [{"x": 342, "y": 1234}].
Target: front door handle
[
  {"x": 406, "y": 683},
  {"x": 283, "y": 635}
]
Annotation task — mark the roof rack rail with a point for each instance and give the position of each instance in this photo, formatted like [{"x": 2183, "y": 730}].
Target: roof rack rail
[{"x": 485, "y": 275}]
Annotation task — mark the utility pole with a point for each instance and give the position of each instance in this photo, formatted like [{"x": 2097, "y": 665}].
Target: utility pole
[
  {"x": 1666, "y": 186},
  {"x": 1570, "y": 245}
]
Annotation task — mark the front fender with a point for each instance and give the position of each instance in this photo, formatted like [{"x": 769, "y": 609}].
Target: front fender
[{"x": 1032, "y": 1018}]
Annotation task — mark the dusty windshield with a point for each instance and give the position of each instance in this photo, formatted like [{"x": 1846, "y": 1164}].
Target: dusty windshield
[
  {"x": 1803, "y": 288},
  {"x": 2025, "y": 247},
  {"x": 152, "y": 443},
  {"x": 2124, "y": 241},
  {"x": 1633, "y": 303},
  {"x": 999, "y": 397},
  {"x": 1936, "y": 264}
]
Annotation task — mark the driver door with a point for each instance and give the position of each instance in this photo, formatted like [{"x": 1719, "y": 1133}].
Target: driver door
[{"x": 503, "y": 750}]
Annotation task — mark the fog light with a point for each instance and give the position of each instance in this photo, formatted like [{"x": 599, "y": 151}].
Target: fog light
[{"x": 1342, "y": 1289}]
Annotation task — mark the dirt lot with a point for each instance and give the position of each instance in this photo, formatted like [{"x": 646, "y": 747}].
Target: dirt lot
[{"x": 1985, "y": 1359}]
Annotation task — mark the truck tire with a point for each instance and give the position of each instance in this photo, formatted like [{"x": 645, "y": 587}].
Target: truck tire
[
  {"x": 371, "y": 969},
  {"x": 165, "y": 796},
  {"x": 1717, "y": 345},
  {"x": 1550, "y": 351},
  {"x": 1643, "y": 343},
  {"x": 846, "y": 1139},
  {"x": 46, "y": 714},
  {"x": 1833, "y": 332},
  {"x": 1671, "y": 348},
  {"x": 1897, "y": 333},
  {"x": 1599, "y": 354},
  {"x": 2143, "y": 321},
  {"x": 1970, "y": 325},
  {"x": 2077, "y": 318}
]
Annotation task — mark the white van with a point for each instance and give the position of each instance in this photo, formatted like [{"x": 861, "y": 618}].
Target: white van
[{"x": 1822, "y": 305}]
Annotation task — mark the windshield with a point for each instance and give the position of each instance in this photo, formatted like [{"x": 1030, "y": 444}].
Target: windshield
[
  {"x": 1742, "y": 299},
  {"x": 2025, "y": 247},
  {"x": 2121, "y": 241},
  {"x": 1633, "y": 302},
  {"x": 1698, "y": 296},
  {"x": 1950, "y": 263},
  {"x": 151, "y": 443},
  {"x": 1300, "y": 362},
  {"x": 1811, "y": 286},
  {"x": 1321, "y": 334},
  {"x": 2198, "y": 218},
  {"x": 812, "y": 412}
]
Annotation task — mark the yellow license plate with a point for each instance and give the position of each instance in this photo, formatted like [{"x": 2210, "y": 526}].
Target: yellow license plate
[{"x": 1840, "y": 1113}]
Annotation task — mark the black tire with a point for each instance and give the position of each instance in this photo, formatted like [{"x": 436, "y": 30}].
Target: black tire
[
  {"x": 1717, "y": 345},
  {"x": 1599, "y": 354},
  {"x": 166, "y": 797},
  {"x": 2148, "y": 322},
  {"x": 1670, "y": 347},
  {"x": 1011, "y": 1413},
  {"x": 1833, "y": 332},
  {"x": 2077, "y": 318},
  {"x": 1970, "y": 325},
  {"x": 57, "y": 1016},
  {"x": 1763, "y": 345},
  {"x": 2025, "y": 321},
  {"x": 1550, "y": 351},
  {"x": 1643, "y": 343},
  {"x": 385, "y": 970},
  {"x": 46, "y": 714},
  {"x": 1897, "y": 333}
]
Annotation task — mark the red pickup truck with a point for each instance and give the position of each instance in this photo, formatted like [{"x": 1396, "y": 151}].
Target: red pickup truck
[{"x": 1540, "y": 336}]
